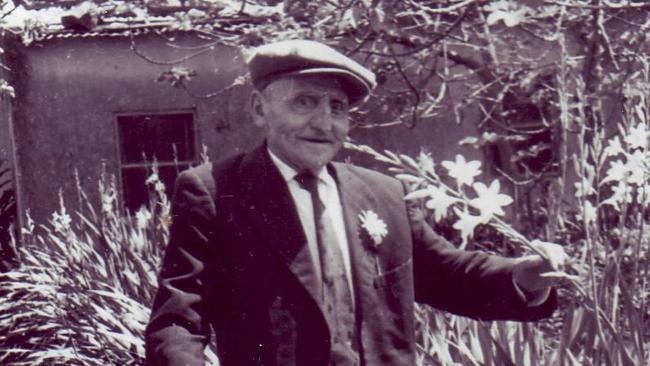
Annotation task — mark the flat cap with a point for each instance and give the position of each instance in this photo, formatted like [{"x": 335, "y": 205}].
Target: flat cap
[{"x": 304, "y": 57}]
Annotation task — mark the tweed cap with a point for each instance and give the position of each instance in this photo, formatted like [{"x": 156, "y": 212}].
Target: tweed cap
[{"x": 304, "y": 57}]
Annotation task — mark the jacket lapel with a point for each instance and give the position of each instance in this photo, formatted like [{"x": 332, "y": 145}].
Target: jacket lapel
[
  {"x": 270, "y": 207},
  {"x": 267, "y": 200}
]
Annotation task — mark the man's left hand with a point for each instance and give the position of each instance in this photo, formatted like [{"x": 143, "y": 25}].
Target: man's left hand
[{"x": 535, "y": 274}]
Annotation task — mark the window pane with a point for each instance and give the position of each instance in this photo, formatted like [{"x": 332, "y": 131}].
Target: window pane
[
  {"x": 143, "y": 137},
  {"x": 136, "y": 191},
  {"x": 535, "y": 154}
]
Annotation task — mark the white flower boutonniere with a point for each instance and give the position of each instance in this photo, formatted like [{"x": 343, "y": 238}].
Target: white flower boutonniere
[{"x": 374, "y": 226}]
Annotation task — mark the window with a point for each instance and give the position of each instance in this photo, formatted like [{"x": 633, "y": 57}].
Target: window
[
  {"x": 167, "y": 139},
  {"x": 531, "y": 142},
  {"x": 534, "y": 153}
]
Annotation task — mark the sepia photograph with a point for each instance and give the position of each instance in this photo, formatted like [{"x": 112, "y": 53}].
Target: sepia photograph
[{"x": 324, "y": 183}]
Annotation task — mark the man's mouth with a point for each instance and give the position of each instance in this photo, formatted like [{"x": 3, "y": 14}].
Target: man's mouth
[{"x": 317, "y": 140}]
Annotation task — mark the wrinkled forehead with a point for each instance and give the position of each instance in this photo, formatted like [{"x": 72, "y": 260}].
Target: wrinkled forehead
[{"x": 317, "y": 84}]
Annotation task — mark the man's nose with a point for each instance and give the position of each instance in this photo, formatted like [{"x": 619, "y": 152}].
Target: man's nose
[{"x": 323, "y": 118}]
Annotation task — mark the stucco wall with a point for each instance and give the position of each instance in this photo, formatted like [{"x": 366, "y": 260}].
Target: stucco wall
[{"x": 69, "y": 91}]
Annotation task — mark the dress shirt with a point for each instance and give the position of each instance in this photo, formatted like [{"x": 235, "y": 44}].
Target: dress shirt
[{"x": 329, "y": 195}]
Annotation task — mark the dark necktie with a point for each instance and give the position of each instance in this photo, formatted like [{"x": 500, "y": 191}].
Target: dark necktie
[{"x": 336, "y": 302}]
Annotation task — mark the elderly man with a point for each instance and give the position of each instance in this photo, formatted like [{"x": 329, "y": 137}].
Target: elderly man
[{"x": 268, "y": 249}]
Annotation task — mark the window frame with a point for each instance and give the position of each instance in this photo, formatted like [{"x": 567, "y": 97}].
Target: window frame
[
  {"x": 529, "y": 126},
  {"x": 121, "y": 165}
]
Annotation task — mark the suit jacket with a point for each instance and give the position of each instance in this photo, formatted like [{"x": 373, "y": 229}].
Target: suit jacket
[{"x": 237, "y": 262}]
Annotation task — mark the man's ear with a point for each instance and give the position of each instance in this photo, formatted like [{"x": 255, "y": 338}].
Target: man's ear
[{"x": 257, "y": 108}]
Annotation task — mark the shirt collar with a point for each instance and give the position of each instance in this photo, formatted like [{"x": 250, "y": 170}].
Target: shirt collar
[{"x": 288, "y": 173}]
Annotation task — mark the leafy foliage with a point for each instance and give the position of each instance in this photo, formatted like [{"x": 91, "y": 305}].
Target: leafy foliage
[
  {"x": 565, "y": 65},
  {"x": 7, "y": 217},
  {"x": 82, "y": 293},
  {"x": 606, "y": 316}
]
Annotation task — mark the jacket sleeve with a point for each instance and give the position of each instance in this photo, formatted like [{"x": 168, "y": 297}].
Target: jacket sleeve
[
  {"x": 178, "y": 330},
  {"x": 468, "y": 283}
]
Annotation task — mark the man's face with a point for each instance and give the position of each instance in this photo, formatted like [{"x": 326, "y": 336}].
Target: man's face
[{"x": 305, "y": 119}]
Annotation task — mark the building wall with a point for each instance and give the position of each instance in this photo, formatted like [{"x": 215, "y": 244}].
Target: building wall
[{"x": 69, "y": 91}]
